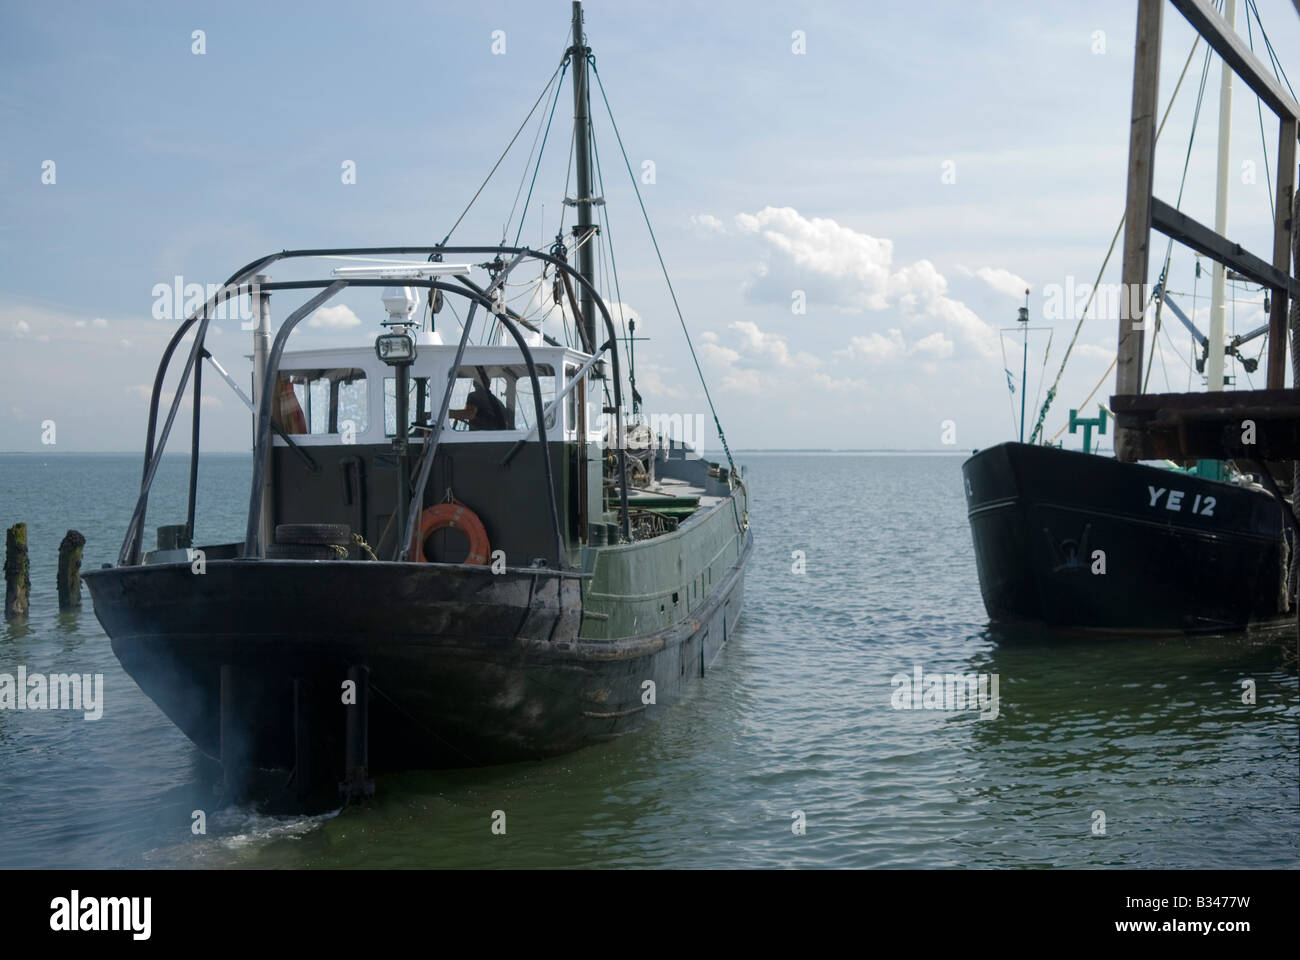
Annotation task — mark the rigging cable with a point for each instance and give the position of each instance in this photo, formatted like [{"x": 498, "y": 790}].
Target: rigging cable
[
  {"x": 1272, "y": 56},
  {"x": 722, "y": 437},
  {"x": 524, "y": 215},
  {"x": 540, "y": 97},
  {"x": 603, "y": 213},
  {"x": 1011, "y": 381},
  {"x": 1169, "y": 247},
  {"x": 1263, "y": 142},
  {"x": 1042, "y": 373},
  {"x": 528, "y": 162}
]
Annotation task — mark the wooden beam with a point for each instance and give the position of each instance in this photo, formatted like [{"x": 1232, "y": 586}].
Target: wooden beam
[
  {"x": 1229, "y": 45},
  {"x": 1176, "y": 224},
  {"x": 1282, "y": 227},
  {"x": 1137, "y": 211},
  {"x": 1189, "y": 426}
]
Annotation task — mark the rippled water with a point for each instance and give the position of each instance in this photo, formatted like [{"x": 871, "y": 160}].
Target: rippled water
[{"x": 796, "y": 716}]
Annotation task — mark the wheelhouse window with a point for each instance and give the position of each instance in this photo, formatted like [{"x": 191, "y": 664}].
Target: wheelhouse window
[
  {"x": 318, "y": 402},
  {"x": 499, "y": 397},
  {"x": 485, "y": 397},
  {"x": 417, "y": 387},
  {"x": 571, "y": 401}
]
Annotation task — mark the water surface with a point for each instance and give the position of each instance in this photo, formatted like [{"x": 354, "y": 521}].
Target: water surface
[{"x": 796, "y": 717}]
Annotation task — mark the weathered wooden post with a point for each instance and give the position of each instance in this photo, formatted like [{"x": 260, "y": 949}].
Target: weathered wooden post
[
  {"x": 18, "y": 580},
  {"x": 1137, "y": 211},
  {"x": 69, "y": 577}
]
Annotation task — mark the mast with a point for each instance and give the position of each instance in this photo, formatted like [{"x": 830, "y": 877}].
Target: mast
[
  {"x": 582, "y": 154},
  {"x": 1023, "y": 317},
  {"x": 1214, "y": 363}
]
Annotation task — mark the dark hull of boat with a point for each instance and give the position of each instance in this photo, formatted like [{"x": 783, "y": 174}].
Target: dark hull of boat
[
  {"x": 1179, "y": 553},
  {"x": 465, "y": 667}
]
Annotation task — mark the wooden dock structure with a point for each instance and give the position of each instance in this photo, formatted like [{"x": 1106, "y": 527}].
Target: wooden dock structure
[{"x": 1249, "y": 424}]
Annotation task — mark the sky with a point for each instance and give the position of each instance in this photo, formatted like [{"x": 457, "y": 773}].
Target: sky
[{"x": 851, "y": 198}]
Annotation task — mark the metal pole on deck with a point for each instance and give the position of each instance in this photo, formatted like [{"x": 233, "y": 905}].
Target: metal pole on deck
[
  {"x": 401, "y": 447},
  {"x": 261, "y": 308}
]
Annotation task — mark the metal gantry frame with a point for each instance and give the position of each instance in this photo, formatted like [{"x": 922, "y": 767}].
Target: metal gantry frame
[
  {"x": 1143, "y": 211},
  {"x": 239, "y": 284}
]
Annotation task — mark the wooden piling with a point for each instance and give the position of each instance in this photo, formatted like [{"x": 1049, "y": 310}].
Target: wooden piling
[
  {"x": 69, "y": 577},
  {"x": 18, "y": 580}
]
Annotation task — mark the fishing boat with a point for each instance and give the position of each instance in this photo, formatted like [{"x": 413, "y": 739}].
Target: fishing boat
[
  {"x": 456, "y": 553},
  {"x": 1075, "y": 539},
  {"x": 1078, "y": 540}
]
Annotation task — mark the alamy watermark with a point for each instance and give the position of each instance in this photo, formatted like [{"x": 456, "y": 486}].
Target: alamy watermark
[
  {"x": 952, "y": 692},
  {"x": 54, "y": 691},
  {"x": 76, "y": 913},
  {"x": 666, "y": 429},
  {"x": 1105, "y": 301},
  {"x": 179, "y": 300}
]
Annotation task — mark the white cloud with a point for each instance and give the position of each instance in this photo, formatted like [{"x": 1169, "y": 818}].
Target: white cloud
[
  {"x": 22, "y": 328},
  {"x": 651, "y": 385},
  {"x": 742, "y": 381},
  {"x": 851, "y": 272},
  {"x": 723, "y": 356},
  {"x": 762, "y": 360},
  {"x": 999, "y": 280},
  {"x": 824, "y": 249},
  {"x": 936, "y": 346},
  {"x": 628, "y": 312},
  {"x": 769, "y": 346},
  {"x": 875, "y": 348},
  {"x": 708, "y": 223},
  {"x": 338, "y": 317},
  {"x": 842, "y": 385},
  {"x": 99, "y": 322}
]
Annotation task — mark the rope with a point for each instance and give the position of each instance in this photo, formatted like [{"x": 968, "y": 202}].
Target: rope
[
  {"x": 1011, "y": 390},
  {"x": 1051, "y": 393},
  {"x": 1263, "y": 142},
  {"x": 1042, "y": 373},
  {"x": 523, "y": 177},
  {"x": 603, "y": 214},
  {"x": 1272, "y": 56},
  {"x": 524, "y": 216},
  {"x": 1169, "y": 247},
  {"x": 539, "y": 99},
  {"x": 360, "y": 541},
  {"x": 1090, "y": 395},
  {"x": 722, "y": 437}
]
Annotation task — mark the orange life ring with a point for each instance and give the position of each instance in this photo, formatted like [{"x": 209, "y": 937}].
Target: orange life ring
[{"x": 454, "y": 516}]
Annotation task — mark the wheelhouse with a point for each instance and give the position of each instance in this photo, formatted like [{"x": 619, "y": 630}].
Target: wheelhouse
[
  {"x": 335, "y": 461},
  {"x": 373, "y": 438},
  {"x": 349, "y": 396}
]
